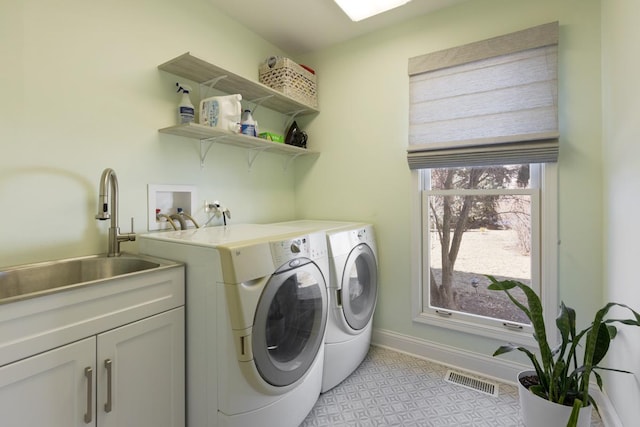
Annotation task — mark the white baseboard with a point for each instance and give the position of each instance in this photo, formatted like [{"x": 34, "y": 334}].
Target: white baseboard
[
  {"x": 481, "y": 364},
  {"x": 476, "y": 363}
]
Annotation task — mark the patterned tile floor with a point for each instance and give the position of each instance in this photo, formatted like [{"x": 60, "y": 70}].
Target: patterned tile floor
[{"x": 395, "y": 389}]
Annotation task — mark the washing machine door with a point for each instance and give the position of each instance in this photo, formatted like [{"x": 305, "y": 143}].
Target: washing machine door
[
  {"x": 359, "y": 286},
  {"x": 290, "y": 322}
]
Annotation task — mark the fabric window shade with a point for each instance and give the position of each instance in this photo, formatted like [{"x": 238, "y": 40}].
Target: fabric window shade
[{"x": 487, "y": 103}]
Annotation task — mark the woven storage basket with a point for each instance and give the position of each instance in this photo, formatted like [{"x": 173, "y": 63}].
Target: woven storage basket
[{"x": 291, "y": 79}]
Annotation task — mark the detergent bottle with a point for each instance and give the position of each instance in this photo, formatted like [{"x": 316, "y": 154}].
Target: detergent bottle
[{"x": 222, "y": 112}]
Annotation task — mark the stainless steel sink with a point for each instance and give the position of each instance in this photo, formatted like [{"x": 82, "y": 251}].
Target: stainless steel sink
[{"x": 27, "y": 281}]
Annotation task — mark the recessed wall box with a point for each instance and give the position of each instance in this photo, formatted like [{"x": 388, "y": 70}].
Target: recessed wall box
[{"x": 168, "y": 198}]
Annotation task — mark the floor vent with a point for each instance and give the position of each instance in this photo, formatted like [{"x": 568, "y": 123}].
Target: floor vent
[{"x": 472, "y": 383}]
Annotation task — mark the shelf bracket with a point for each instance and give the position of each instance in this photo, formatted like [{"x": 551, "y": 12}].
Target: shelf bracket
[
  {"x": 208, "y": 142},
  {"x": 211, "y": 83},
  {"x": 291, "y": 159},
  {"x": 258, "y": 102},
  {"x": 253, "y": 153},
  {"x": 291, "y": 117}
]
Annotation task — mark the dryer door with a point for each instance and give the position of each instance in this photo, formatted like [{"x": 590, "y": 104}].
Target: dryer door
[
  {"x": 289, "y": 323},
  {"x": 359, "y": 286}
]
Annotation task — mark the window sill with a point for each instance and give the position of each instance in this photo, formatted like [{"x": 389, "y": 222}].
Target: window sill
[{"x": 496, "y": 332}]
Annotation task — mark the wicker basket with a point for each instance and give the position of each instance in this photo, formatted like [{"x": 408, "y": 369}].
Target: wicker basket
[{"x": 291, "y": 79}]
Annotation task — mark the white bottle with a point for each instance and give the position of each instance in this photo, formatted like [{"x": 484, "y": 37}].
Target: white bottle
[
  {"x": 223, "y": 112},
  {"x": 247, "y": 124},
  {"x": 186, "y": 110}
]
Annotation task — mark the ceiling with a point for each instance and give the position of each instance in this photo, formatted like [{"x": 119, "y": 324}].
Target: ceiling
[{"x": 302, "y": 26}]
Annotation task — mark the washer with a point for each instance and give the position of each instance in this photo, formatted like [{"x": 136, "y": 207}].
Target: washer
[
  {"x": 353, "y": 294},
  {"x": 257, "y": 309}
]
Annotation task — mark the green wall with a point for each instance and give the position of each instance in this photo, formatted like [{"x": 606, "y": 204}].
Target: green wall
[
  {"x": 81, "y": 92},
  {"x": 621, "y": 153},
  {"x": 362, "y": 173}
]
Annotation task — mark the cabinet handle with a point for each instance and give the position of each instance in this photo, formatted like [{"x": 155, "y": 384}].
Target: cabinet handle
[
  {"x": 88, "y": 373},
  {"x": 108, "y": 365}
]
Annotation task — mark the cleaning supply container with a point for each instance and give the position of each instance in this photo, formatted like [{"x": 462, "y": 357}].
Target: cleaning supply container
[
  {"x": 186, "y": 110},
  {"x": 222, "y": 112},
  {"x": 248, "y": 125}
]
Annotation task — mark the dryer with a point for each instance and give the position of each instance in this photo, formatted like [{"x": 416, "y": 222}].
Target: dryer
[
  {"x": 353, "y": 293},
  {"x": 257, "y": 309}
]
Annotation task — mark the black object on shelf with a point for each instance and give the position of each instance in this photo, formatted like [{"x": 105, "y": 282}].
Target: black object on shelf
[{"x": 295, "y": 136}]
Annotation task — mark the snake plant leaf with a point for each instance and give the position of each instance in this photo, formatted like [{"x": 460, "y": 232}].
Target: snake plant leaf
[
  {"x": 563, "y": 322},
  {"x": 533, "y": 312},
  {"x": 566, "y": 323},
  {"x": 602, "y": 368},
  {"x": 630, "y": 322},
  {"x": 575, "y": 412},
  {"x": 602, "y": 344},
  {"x": 506, "y": 285},
  {"x": 598, "y": 379},
  {"x": 539, "y": 390},
  {"x": 591, "y": 348},
  {"x": 532, "y": 357},
  {"x": 624, "y": 322},
  {"x": 593, "y": 402},
  {"x": 505, "y": 349},
  {"x": 557, "y": 391}
]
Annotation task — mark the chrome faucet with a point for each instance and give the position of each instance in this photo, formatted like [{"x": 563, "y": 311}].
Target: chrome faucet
[{"x": 107, "y": 179}]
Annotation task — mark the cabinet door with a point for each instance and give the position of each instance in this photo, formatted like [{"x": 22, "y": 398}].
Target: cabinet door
[
  {"x": 53, "y": 389},
  {"x": 141, "y": 373}
]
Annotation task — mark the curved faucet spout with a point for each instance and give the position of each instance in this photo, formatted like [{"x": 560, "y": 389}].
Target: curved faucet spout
[
  {"x": 108, "y": 176},
  {"x": 109, "y": 180}
]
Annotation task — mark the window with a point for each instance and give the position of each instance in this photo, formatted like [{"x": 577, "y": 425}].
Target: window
[
  {"x": 483, "y": 145},
  {"x": 476, "y": 222}
]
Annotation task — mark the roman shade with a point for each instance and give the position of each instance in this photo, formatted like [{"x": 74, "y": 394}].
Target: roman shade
[{"x": 490, "y": 102}]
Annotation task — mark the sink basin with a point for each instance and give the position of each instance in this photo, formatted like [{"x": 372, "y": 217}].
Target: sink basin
[{"x": 27, "y": 281}]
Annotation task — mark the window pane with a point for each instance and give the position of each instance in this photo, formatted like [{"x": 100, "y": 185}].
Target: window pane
[
  {"x": 478, "y": 235},
  {"x": 485, "y": 178}
]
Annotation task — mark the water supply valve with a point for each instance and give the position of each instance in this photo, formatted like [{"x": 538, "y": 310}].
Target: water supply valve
[{"x": 216, "y": 210}]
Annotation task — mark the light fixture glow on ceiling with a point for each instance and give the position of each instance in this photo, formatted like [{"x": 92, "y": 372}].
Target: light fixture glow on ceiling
[{"x": 358, "y": 10}]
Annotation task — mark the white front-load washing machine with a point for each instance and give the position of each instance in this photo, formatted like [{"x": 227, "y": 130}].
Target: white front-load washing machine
[
  {"x": 353, "y": 293},
  {"x": 257, "y": 308}
]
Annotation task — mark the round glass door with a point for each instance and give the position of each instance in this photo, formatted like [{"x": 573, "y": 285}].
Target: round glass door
[
  {"x": 289, "y": 323},
  {"x": 359, "y": 286}
]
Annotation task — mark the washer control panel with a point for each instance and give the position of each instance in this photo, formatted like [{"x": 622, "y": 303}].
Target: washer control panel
[
  {"x": 312, "y": 246},
  {"x": 284, "y": 250}
]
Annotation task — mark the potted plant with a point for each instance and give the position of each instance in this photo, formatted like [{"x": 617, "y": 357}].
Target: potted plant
[{"x": 558, "y": 377}]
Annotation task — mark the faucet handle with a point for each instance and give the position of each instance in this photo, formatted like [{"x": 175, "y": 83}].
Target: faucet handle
[{"x": 131, "y": 236}]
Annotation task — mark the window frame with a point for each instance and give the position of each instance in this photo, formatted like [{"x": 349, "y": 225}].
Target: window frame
[{"x": 548, "y": 266}]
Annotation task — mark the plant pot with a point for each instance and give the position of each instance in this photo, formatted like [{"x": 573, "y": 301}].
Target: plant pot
[{"x": 538, "y": 412}]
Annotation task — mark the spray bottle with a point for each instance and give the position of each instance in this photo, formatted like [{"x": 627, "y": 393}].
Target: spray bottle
[{"x": 186, "y": 111}]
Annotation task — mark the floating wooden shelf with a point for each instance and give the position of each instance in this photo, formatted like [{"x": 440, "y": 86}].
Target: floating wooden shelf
[
  {"x": 209, "y": 136},
  {"x": 208, "y": 133},
  {"x": 202, "y": 72}
]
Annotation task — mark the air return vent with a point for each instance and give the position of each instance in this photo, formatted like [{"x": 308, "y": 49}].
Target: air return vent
[{"x": 472, "y": 383}]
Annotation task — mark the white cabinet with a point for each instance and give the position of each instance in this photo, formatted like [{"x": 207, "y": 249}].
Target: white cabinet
[
  {"x": 102, "y": 355},
  {"x": 205, "y": 73},
  {"x": 50, "y": 389},
  {"x": 129, "y": 376},
  {"x": 140, "y": 373}
]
